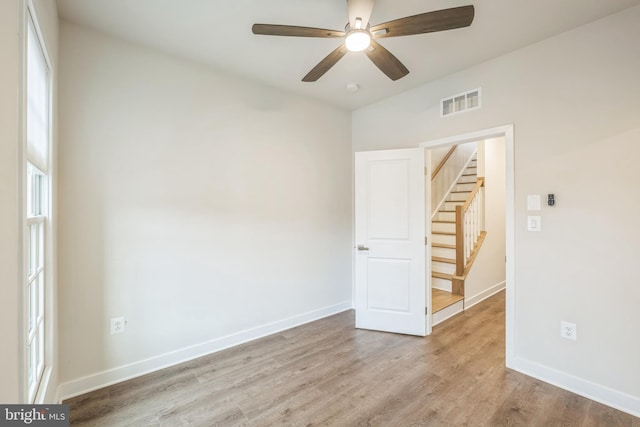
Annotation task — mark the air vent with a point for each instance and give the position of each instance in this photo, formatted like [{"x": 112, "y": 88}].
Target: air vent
[{"x": 466, "y": 101}]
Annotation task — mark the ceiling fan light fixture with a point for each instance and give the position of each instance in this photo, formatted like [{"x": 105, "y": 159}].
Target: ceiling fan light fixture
[
  {"x": 357, "y": 40},
  {"x": 359, "y": 35}
]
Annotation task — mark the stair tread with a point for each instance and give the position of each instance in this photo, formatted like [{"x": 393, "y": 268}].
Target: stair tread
[
  {"x": 462, "y": 191},
  {"x": 442, "y": 259},
  {"x": 443, "y": 221},
  {"x": 469, "y": 174},
  {"x": 441, "y": 275},
  {"x": 447, "y": 233},
  {"x": 443, "y": 245},
  {"x": 445, "y": 210},
  {"x": 443, "y": 299}
]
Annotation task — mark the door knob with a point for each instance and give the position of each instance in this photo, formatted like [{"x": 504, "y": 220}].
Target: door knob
[{"x": 362, "y": 248}]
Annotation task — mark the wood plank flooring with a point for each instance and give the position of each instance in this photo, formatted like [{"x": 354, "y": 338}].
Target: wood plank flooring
[{"x": 328, "y": 373}]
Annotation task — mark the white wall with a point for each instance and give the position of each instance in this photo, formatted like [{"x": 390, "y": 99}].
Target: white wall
[
  {"x": 10, "y": 282},
  {"x": 487, "y": 275},
  {"x": 571, "y": 98},
  {"x": 203, "y": 208},
  {"x": 12, "y": 20}
]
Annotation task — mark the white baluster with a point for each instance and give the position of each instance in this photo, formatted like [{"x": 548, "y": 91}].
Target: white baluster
[
  {"x": 482, "y": 218},
  {"x": 469, "y": 234},
  {"x": 475, "y": 225}
]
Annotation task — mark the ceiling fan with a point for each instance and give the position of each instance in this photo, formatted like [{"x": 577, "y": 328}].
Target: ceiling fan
[{"x": 359, "y": 35}]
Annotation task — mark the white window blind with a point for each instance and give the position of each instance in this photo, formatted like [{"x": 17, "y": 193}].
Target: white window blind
[{"x": 37, "y": 103}]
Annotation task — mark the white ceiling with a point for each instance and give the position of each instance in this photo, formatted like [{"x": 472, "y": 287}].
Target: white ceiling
[{"x": 218, "y": 33}]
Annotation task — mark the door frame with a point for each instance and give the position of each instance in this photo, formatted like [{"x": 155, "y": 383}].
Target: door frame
[{"x": 506, "y": 131}]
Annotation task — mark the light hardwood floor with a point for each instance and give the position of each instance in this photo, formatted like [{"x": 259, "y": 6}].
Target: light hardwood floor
[{"x": 328, "y": 373}]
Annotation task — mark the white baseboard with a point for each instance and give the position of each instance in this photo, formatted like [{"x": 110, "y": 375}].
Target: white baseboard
[
  {"x": 605, "y": 395},
  {"x": 447, "y": 313},
  {"x": 471, "y": 301},
  {"x": 122, "y": 373}
]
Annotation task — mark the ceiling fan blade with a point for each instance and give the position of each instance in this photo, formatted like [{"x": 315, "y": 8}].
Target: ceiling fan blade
[
  {"x": 326, "y": 64},
  {"x": 439, "y": 20},
  {"x": 388, "y": 64},
  {"x": 294, "y": 31},
  {"x": 359, "y": 9}
]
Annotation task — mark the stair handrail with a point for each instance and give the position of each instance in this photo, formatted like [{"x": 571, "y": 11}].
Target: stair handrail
[
  {"x": 469, "y": 225},
  {"x": 443, "y": 161}
]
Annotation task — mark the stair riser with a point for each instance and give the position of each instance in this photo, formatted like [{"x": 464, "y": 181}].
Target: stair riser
[
  {"x": 465, "y": 187},
  {"x": 444, "y": 238},
  {"x": 458, "y": 196},
  {"x": 443, "y": 226},
  {"x": 443, "y": 252},
  {"x": 467, "y": 179},
  {"x": 443, "y": 267},
  {"x": 447, "y": 312},
  {"x": 442, "y": 284},
  {"x": 446, "y": 216},
  {"x": 451, "y": 206}
]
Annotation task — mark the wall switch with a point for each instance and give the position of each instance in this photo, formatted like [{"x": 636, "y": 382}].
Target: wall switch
[
  {"x": 533, "y": 223},
  {"x": 568, "y": 330},
  {"x": 533, "y": 202},
  {"x": 118, "y": 325}
]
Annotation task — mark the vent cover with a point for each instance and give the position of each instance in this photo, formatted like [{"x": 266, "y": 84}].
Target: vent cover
[{"x": 466, "y": 101}]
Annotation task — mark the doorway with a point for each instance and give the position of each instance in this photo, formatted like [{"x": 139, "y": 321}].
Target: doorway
[
  {"x": 468, "y": 253},
  {"x": 507, "y": 133}
]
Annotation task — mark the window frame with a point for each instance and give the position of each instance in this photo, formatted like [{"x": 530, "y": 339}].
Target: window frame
[{"x": 34, "y": 390}]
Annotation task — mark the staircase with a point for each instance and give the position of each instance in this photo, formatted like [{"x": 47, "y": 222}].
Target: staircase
[{"x": 448, "y": 293}]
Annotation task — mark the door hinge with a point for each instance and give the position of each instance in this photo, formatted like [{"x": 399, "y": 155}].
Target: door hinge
[{"x": 426, "y": 240}]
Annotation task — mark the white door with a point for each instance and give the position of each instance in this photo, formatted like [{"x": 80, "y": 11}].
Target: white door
[{"x": 390, "y": 241}]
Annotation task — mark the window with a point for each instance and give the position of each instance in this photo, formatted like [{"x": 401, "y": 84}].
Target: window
[
  {"x": 37, "y": 209},
  {"x": 35, "y": 291}
]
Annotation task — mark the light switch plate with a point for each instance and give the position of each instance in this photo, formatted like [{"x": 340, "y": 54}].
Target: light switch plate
[
  {"x": 533, "y": 202},
  {"x": 533, "y": 223}
]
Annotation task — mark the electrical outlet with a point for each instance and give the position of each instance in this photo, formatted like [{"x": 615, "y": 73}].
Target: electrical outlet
[
  {"x": 568, "y": 330},
  {"x": 118, "y": 325}
]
